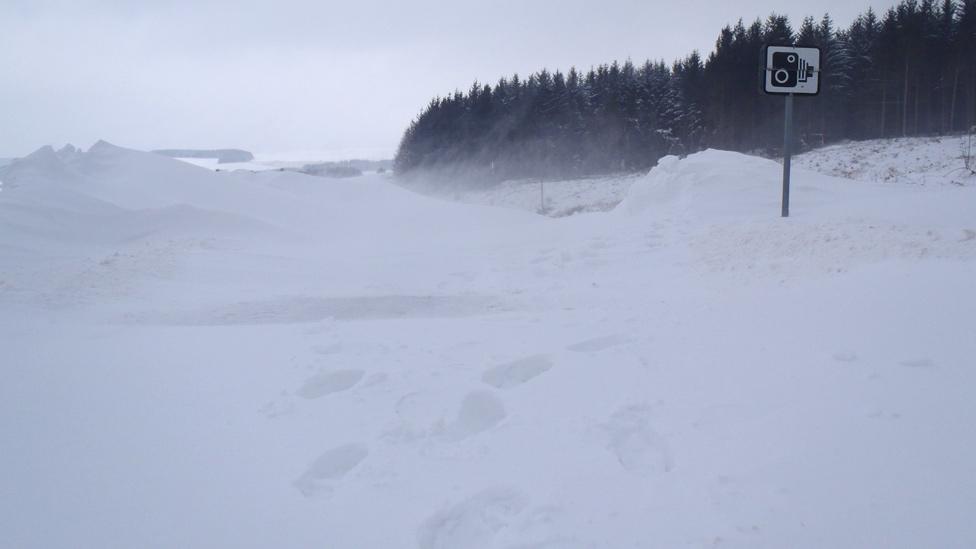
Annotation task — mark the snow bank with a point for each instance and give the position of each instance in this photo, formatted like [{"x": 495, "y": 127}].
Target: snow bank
[
  {"x": 707, "y": 184},
  {"x": 726, "y": 208},
  {"x": 719, "y": 186},
  {"x": 82, "y": 196}
]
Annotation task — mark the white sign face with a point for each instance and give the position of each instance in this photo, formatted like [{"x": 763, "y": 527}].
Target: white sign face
[{"x": 792, "y": 70}]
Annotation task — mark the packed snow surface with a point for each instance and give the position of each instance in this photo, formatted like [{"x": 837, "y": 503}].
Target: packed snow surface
[{"x": 201, "y": 359}]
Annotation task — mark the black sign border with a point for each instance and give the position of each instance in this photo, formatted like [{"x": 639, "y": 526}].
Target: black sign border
[{"x": 764, "y": 69}]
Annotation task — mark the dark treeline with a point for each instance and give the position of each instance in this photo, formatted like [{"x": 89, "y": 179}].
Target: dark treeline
[{"x": 911, "y": 71}]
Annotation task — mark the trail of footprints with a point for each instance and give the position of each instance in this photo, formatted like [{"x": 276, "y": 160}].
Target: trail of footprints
[
  {"x": 420, "y": 418},
  {"x": 484, "y": 517}
]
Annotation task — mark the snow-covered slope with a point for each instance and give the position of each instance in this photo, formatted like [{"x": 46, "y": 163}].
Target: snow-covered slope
[
  {"x": 200, "y": 359},
  {"x": 916, "y": 160}
]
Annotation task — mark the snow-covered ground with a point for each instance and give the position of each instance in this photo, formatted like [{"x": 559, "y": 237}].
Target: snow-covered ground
[
  {"x": 552, "y": 198},
  {"x": 914, "y": 160},
  {"x": 201, "y": 359}
]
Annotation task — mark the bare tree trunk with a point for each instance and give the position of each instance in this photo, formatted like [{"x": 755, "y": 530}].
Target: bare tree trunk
[
  {"x": 943, "y": 118},
  {"x": 884, "y": 104},
  {"x": 971, "y": 123},
  {"x": 952, "y": 104},
  {"x": 917, "y": 94},
  {"x": 904, "y": 104},
  {"x": 823, "y": 118}
]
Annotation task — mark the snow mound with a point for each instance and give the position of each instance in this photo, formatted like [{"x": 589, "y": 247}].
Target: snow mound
[
  {"x": 70, "y": 194},
  {"x": 66, "y": 217},
  {"x": 43, "y": 164},
  {"x": 719, "y": 186},
  {"x": 691, "y": 185},
  {"x": 725, "y": 209}
]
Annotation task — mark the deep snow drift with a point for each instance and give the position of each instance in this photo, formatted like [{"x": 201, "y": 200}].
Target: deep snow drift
[{"x": 200, "y": 359}]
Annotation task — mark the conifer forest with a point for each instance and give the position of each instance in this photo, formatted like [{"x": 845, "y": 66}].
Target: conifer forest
[{"x": 909, "y": 71}]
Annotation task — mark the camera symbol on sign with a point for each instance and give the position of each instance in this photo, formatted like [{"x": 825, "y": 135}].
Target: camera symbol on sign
[{"x": 789, "y": 70}]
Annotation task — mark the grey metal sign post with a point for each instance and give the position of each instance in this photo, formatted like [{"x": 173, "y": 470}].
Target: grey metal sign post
[
  {"x": 787, "y": 154},
  {"x": 790, "y": 71}
]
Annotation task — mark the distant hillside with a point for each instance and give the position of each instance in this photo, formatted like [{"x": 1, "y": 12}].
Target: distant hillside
[{"x": 223, "y": 156}]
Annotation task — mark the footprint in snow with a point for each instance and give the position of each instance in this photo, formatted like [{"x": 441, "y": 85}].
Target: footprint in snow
[
  {"x": 474, "y": 522},
  {"x": 493, "y": 517},
  {"x": 921, "y": 363},
  {"x": 331, "y": 349},
  {"x": 637, "y": 447},
  {"x": 330, "y": 466},
  {"x": 275, "y": 409},
  {"x": 479, "y": 412},
  {"x": 597, "y": 344},
  {"x": 418, "y": 415},
  {"x": 513, "y": 374},
  {"x": 842, "y": 356},
  {"x": 422, "y": 416},
  {"x": 329, "y": 382}
]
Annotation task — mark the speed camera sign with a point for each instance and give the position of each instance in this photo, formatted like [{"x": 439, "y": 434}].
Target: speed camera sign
[{"x": 792, "y": 70}]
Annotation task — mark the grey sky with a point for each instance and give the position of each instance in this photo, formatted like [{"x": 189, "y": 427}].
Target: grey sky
[{"x": 314, "y": 75}]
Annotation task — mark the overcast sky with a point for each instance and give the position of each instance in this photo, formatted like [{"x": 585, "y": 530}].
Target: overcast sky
[{"x": 314, "y": 75}]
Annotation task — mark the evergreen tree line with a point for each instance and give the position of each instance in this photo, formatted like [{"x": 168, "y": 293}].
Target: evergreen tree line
[{"x": 909, "y": 72}]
